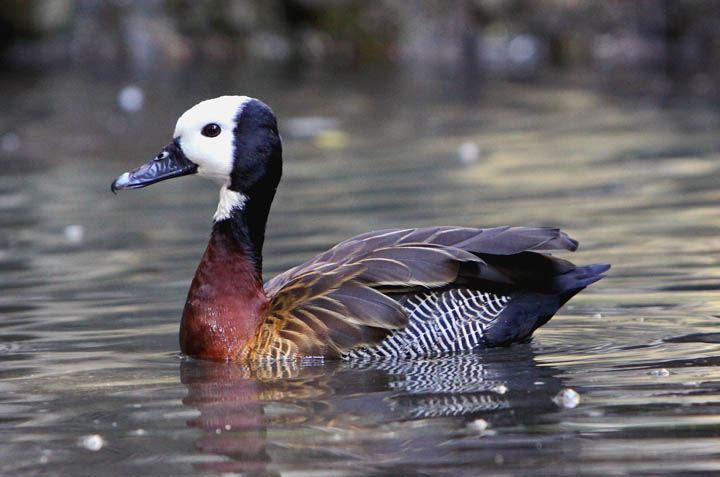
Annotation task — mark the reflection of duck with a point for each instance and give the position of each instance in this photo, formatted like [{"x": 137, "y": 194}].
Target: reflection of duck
[
  {"x": 268, "y": 415},
  {"x": 393, "y": 293},
  {"x": 468, "y": 385},
  {"x": 230, "y": 414}
]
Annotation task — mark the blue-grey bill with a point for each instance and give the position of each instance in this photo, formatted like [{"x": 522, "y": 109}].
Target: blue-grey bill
[{"x": 170, "y": 162}]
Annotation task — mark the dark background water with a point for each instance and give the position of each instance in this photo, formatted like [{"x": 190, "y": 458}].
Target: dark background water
[{"x": 92, "y": 285}]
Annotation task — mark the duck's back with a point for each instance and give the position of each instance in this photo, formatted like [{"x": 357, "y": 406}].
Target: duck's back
[{"x": 421, "y": 292}]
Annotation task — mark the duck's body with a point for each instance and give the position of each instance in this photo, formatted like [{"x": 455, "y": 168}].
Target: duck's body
[{"x": 400, "y": 293}]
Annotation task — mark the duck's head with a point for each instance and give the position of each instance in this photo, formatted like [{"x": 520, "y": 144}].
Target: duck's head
[{"x": 232, "y": 140}]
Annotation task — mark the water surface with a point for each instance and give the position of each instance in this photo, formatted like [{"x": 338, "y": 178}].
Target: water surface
[{"x": 92, "y": 285}]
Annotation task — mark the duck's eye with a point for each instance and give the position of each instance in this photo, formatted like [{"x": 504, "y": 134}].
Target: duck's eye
[{"x": 211, "y": 130}]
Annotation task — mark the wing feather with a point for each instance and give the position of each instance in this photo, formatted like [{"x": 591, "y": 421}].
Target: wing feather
[{"x": 337, "y": 300}]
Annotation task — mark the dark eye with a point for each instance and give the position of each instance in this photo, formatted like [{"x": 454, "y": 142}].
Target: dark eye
[{"x": 211, "y": 130}]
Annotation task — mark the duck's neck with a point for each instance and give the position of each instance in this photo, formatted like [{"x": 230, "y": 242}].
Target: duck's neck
[
  {"x": 226, "y": 301},
  {"x": 242, "y": 220}
]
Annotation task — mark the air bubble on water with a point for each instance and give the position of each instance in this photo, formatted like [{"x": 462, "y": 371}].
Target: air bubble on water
[
  {"x": 567, "y": 398},
  {"x": 660, "y": 372},
  {"x": 500, "y": 389},
  {"x": 523, "y": 49},
  {"x": 131, "y": 99},
  {"x": 309, "y": 127},
  {"x": 478, "y": 425},
  {"x": 468, "y": 152},
  {"x": 74, "y": 234},
  {"x": 10, "y": 142},
  {"x": 93, "y": 442}
]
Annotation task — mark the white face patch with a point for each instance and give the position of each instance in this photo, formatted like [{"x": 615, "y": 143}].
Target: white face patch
[
  {"x": 229, "y": 201},
  {"x": 213, "y": 155}
]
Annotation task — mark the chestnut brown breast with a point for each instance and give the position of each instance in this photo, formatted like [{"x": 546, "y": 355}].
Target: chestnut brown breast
[{"x": 225, "y": 304}]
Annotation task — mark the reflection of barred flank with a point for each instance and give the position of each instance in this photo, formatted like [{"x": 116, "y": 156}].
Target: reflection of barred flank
[
  {"x": 440, "y": 322},
  {"x": 438, "y": 375},
  {"x": 453, "y": 405}
]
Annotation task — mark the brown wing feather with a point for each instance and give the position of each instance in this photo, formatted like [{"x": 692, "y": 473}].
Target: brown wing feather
[{"x": 334, "y": 302}]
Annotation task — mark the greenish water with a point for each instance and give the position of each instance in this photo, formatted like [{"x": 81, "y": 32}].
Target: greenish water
[{"x": 92, "y": 285}]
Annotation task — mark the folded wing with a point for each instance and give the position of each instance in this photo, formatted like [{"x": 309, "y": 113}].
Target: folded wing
[{"x": 347, "y": 297}]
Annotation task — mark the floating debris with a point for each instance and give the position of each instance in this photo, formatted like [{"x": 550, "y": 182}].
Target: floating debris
[
  {"x": 74, "y": 234},
  {"x": 500, "y": 389},
  {"x": 93, "y": 442},
  {"x": 597, "y": 316},
  {"x": 660, "y": 372},
  {"x": 309, "y": 126},
  {"x": 331, "y": 139},
  {"x": 468, "y": 152},
  {"x": 523, "y": 50},
  {"x": 131, "y": 99},
  {"x": 478, "y": 425},
  {"x": 567, "y": 398},
  {"x": 10, "y": 142}
]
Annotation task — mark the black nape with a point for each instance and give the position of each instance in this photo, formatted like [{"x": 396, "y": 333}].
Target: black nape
[{"x": 257, "y": 168}]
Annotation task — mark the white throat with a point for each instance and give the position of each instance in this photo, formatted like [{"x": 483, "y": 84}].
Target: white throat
[{"x": 229, "y": 201}]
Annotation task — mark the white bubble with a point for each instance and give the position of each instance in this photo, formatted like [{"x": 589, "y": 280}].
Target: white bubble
[
  {"x": 523, "y": 49},
  {"x": 10, "y": 142},
  {"x": 500, "y": 389},
  {"x": 74, "y": 234},
  {"x": 468, "y": 152},
  {"x": 478, "y": 425},
  {"x": 567, "y": 398},
  {"x": 309, "y": 126},
  {"x": 660, "y": 372},
  {"x": 131, "y": 99},
  {"x": 93, "y": 442}
]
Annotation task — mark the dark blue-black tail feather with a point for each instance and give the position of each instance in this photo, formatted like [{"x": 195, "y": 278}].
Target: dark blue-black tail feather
[
  {"x": 570, "y": 283},
  {"x": 528, "y": 310}
]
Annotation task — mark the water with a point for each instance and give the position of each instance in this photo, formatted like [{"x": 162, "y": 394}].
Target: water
[{"x": 92, "y": 285}]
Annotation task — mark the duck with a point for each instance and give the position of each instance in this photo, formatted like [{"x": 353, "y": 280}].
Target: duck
[{"x": 397, "y": 293}]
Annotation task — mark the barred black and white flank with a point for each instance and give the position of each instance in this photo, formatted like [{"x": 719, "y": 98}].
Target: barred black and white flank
[{"x": 440, "y": 322}]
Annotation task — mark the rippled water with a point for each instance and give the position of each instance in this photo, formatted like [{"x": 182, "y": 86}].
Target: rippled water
[{"x": 92, "y": 285}]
